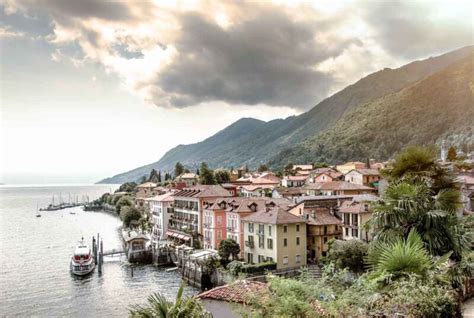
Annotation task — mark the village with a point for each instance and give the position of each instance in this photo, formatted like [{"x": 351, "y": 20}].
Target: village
[{"x": 259, "y": 222}]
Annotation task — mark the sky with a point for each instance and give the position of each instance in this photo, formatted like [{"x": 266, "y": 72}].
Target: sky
[{"x": 92, "y": 88}]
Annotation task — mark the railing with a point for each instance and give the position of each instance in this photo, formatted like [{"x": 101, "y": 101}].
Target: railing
[
  {"x": 261, "y": 233},
  {"x": 250, "y": 244}
]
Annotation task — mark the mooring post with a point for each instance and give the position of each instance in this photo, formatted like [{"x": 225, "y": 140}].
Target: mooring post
[
  {"x": 101, "y": 256},
  {"x": 94, "y": 249}
]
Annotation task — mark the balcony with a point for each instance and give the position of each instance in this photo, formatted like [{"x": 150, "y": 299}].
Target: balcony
[
  {"x": 261, "y": 233},
  {"x": 249, "y": 244}
]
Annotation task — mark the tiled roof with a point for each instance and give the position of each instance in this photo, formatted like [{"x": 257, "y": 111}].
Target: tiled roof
[
  {"x": 203, "y": 191},
  {"x": 238, "y": 292},
  {"x": 332, "y": 174},
  {"x": 303, "y": 167},
  {"x": 322, "y": 216},
  {"x": 244, "y": 205},
  {"x": 342, "y": 185},
  {"x": 274, "y": 215},
  {"x": 167, "y": 197},
  {"x": 290, "y": 191},
  {"x": 353, "y": 207}
]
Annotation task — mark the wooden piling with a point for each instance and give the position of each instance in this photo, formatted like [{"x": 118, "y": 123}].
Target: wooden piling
[{"x": 101, "y": 256}]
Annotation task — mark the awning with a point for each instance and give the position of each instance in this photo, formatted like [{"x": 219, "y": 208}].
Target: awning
[
  {"x": 168, "y": 233},
  {"x": 180, "y": 236},
  {"x": 186, "y": 238}
]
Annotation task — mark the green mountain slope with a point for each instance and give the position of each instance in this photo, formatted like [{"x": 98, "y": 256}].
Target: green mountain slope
[
  {"x": 438, "y": 107},
  {"x": 252, "y": 142}
]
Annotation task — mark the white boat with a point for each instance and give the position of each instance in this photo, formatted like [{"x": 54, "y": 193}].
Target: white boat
[{"x": 82, "y": 262}]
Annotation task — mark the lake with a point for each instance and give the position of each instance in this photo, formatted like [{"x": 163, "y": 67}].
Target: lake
[{"x": 35, "y": 253}]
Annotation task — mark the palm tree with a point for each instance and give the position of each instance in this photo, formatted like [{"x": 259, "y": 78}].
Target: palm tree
[
  {"x": 159, "y": 307},
  {"x": 406, "y": 206},
  {"x": 400, "y": 256}
]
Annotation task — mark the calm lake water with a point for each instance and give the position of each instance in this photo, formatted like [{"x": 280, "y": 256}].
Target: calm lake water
[{"x": 35, "y": 254}]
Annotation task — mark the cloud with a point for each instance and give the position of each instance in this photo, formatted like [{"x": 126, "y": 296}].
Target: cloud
[
  {"x": 6, "y": 32},
  {"x": 413, "y": 29},
  {"x": 268, "y": 59},
  {"x": 183, "y": 54}
]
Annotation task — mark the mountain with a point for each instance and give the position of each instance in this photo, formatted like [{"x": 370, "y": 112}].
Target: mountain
[{"x": 318, "y": 134}]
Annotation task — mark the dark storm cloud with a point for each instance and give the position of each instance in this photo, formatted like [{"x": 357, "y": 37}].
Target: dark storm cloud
[
  {"x": 407, "y": 28},
  {"x": 269, "y": 59}
]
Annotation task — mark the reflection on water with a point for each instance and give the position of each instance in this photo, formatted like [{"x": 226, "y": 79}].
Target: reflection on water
[{"x": 34, "y": 267}]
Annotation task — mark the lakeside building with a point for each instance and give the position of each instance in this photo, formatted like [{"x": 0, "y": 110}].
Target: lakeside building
[
  {"x": 275, "y": 234},
  {"x": 465, "y": 184},
  {"x": 144, "y": 190},
  {"x": 351, "y": 165},
  {"x": 186, "y": 222},
  {"x": 355, "y": 214},
  {"x": 215, "y": 223},
  {"x": 366, "y": 177},
  {"x": 161, "y": 211}
]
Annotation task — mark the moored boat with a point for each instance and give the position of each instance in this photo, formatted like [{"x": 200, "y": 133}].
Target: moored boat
[{"x": 82, "y": 262}]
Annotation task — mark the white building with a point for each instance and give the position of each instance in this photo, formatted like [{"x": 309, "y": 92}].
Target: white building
[{"x": 161, "y": 210}]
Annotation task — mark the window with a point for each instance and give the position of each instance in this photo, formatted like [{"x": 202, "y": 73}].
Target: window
[
  {"x": 219, "y": 220},
  {"x": 251, "y": 227},
  {"x": 354, "y": 219},
  {"x": 325, "y": 230},
  {"x": 269, "y": 259},
  {"x": 285, "y": 242},
  {"x": 355, "y": 232},
  {"x": 347, "y": 231},
  {"x": 297, "y": 241},
  {"x": 314, "y": 239},
  {"x": 297, "y": 227},
  {"x": 250, "y": 239},
  {"x": 261, "y": 229},
  {"x": 261, "y": 242},
  {"x": 270, "y": 244},
  {"x": 285, "y": 228},
  {"x": 285, "y": 260},
  {"x": 346, "y": 219},
  {"x": 269, "y": 230},
  {"x": 261, "y": 258},
  {"x": 298, "y": 259},
  {"x": 325, "y": 239},
  {"x": 250, "y": 258},
  {"x": 324, "y": 253}
]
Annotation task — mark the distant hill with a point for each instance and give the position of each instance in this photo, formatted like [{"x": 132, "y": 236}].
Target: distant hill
[{"x": 352, "y": 124}]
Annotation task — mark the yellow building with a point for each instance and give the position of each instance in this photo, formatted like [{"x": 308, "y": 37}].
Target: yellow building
[
  {"x": 321, "y": 227},
  {"x": 275, "y": 235},
  {"x": 355, "y": 214}
]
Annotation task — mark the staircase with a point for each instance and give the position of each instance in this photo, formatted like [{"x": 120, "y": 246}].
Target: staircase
[{"x": 314, "y": 271}]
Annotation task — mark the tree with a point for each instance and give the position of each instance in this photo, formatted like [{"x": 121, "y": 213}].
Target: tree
[
  {"x": 153, "y": 176},
  {"x": 348, "y": 254},
  {"x": 317, "y": 165},
  {"x": 452, "y": 154},
  {"x": 227, "y": 248},
  {"x": 178, "y": 169},
  {"x": 222, "y": 176},
  {"x": 400, "y": 256},
  {"x": 159, "y": 176},
  {"x": 197, "y": 171},
  {"x": 262, "y": 168},
  {"x": 159, "y": 307},
  {"x": 142, "y": 179},
  {"x": 127, "y": 187},
  {"x": 406, "y": 206},
  {"x": 129, "y": 215},
  {"x": 206, "y": 175},
  {"x": 122, "y": 202}
]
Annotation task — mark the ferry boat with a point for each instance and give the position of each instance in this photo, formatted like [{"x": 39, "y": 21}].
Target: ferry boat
[{"x": 82, "y": 262}]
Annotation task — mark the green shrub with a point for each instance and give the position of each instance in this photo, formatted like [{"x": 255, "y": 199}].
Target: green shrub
[
  {"x": 129, "y": 214},
  {"x": 348, "y": 254}
]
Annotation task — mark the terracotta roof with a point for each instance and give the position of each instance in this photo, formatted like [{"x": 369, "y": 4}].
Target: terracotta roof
[
  {"x": 244, "y": 205},
  {"x": 275, "y": 215},
  {"x": 203, "y": 191},
  {"x": 253, "y": 187},
  {"x": 321, "y": 170},
  {"x": 238, "y": 292},
  {"x": 322, "y": 216},
  {"x": 290, "y": 191},
  {"x": 342, "y": 185},
  {"x": 303, "y": 173},
  {"x": 354, "y": 207},
  {"x": 167, "y": 197},
  {"x": 332, "y": 174},
  {"x": 313, "y": 186}
]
